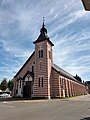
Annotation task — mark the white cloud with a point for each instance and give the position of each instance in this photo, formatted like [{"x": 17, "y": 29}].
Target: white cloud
[
  {"x": 20, "y": 22},
  {"x": 73, "y": 53}
]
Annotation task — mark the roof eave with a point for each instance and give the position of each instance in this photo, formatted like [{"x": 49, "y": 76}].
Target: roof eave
[
  {"x": 37, "y": 41},
  {"x": 72, "y": 78},
  {"x": 63, "y": 74}
]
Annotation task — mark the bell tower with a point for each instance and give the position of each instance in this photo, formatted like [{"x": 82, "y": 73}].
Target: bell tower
[{"x": 43, "y": 64}]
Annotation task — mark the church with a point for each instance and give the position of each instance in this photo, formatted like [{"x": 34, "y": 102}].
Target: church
[{"x": 39, "y": 77}]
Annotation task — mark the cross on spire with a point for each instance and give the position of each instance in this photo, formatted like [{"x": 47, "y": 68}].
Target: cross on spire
[
  {"x": 43, "y": 21},
  {"x": 43, "y": 29}
]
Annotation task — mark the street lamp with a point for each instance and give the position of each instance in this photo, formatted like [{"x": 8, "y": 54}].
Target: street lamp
[{"x": 86, "y": 4}]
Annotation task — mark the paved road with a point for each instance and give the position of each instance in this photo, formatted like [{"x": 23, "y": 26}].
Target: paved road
[{"x": 76, "y": 108}]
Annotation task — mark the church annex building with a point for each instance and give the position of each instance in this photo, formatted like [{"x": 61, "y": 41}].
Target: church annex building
[{"x": 39, "y": 77}]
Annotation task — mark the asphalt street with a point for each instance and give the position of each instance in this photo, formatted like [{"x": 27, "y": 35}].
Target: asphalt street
[{"x": 77, "y": 108}]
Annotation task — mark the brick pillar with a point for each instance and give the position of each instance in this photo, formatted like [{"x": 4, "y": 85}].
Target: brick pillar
[
  {"x": 63, "y": 87},
  {"x": 66, "y": 88},
  {"x": 60, "y": 87},
  {"x": 69, "y": 88},
  {"x": 72, "y": 89},
  {"x": 76, "y": 90}
]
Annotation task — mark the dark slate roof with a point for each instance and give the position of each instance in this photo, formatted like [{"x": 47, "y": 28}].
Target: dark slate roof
[
  {"x": 63, "y": 72},
  {"x": 24, "y": 64},
  {"x": 43, "y": 36}
]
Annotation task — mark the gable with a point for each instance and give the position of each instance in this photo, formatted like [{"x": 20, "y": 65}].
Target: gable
[{"x": 25, "y": 67}]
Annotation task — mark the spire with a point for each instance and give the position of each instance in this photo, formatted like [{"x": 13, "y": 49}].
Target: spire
[
  {"x": 43, "y": 34},
  {"x": 43, "y": 29}
]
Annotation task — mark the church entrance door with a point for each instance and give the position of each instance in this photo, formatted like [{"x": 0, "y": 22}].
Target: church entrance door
[{"x": 27, "y": 90}]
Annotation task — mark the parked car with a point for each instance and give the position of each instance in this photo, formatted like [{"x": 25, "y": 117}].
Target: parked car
[{"x": 5, "y": 95}]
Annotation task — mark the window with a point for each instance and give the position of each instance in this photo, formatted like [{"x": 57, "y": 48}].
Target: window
[
  {"x": 40, "y": 53},
  {"x": 50, "y": 55},
  {"x": 32, "y": 69},
  {"x": 20, "y": 83},
  {"x": 39, "y": 82},
  {"x": 33, "y": 62},
  {"x": 42, "y": 81}
]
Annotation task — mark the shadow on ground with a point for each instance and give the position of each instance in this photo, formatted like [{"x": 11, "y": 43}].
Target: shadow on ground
[
  {"x": 13, "y": 99},
  {"x": 87, "y": 118},
  {"x": 19, "y": 99}
]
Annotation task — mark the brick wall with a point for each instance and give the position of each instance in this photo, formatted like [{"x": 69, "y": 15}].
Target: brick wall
[{"x": 42, "y": 69}]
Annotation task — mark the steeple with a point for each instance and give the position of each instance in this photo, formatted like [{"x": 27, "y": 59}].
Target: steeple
[
  {"x": 43, "y": 29},
  {"x": 43, "y": 34}
]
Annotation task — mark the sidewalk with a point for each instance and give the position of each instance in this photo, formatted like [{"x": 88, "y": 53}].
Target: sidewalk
[
  {"x": 81, "y": 98},
  {"x": 75, "y": 98}
]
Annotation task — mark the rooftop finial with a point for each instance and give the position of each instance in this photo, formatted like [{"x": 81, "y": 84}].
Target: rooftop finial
[
  {"x": 43, "y": 29},
  {"x": 43, "y": 21}
]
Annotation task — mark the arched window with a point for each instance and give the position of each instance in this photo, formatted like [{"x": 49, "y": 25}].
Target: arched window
[
  {"x": 38, "y": 82},
  {"x": 42, "y": 81},
  {"x": 32, "y": 69},
  {"x": 40, "y": 53},
  {"x": 50, "y": 55}
]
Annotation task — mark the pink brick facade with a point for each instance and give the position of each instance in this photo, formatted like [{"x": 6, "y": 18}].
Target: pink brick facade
[
  {"x": 42, "y": 70},
  {"x": 40, "y": 77}
]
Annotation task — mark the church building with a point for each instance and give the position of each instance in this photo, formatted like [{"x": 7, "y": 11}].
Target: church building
[{"x": 39, "y": 77}]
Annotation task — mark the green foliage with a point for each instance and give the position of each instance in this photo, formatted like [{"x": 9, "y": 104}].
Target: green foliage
[
  {"x": 78, "y": 78},
  {"x": 4, "y": 84},
  {"x": 10, "y": 85}
]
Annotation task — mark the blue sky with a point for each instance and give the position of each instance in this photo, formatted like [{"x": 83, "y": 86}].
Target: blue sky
[{"x": 68, "y": 26}]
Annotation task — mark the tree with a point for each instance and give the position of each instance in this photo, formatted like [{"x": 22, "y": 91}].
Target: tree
[
  {"x": 78, "y": 78},
  {"x": 4, "y": 84},
  {"x": 10, "y": 85}
]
